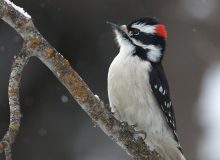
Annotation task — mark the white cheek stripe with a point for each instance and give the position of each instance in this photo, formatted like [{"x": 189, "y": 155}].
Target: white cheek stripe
[
  {"x": 144, "y": 28},
  {"x": 154, "y": 53}
]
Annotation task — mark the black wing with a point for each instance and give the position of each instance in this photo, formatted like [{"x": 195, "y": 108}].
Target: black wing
[{"x": 160, "y": 88}]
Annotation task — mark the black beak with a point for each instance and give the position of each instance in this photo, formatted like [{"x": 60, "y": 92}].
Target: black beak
[
  {"x": 117, "y": 27},
  {"x": 114, "y": 26}
]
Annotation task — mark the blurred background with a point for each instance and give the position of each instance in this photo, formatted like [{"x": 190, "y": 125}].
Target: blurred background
[{"x": 54, "y": 127}]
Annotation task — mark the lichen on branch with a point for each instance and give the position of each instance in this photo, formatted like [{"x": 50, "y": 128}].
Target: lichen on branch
[{"x": 35, "y": 45}]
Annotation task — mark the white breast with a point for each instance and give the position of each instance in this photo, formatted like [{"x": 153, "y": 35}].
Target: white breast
[{"x": 130, "y": 94}]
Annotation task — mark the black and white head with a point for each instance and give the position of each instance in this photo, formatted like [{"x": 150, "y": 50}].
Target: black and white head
[{"x": 144, "y": 37}]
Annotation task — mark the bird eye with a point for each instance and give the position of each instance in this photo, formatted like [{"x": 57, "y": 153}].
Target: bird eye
[{"x": 135, "y": 31}]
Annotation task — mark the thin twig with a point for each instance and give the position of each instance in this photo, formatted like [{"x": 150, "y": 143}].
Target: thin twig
[
  {"x": 8, "y": 154},
  {"x": 13, "y": 93},
  {"x": 36, "y": 45}
]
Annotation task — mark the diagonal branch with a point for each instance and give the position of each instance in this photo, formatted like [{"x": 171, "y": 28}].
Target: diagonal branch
[{"x": 36, "y": 45}]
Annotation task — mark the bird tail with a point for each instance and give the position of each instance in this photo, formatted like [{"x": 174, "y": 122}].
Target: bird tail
[{"x": 168, "y": 149}]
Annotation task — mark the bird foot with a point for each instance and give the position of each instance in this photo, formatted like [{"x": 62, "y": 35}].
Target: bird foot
[{"x": 132, "y": 129}]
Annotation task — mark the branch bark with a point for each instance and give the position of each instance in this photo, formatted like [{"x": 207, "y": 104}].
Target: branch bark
[{"x": 35, "y": 45}]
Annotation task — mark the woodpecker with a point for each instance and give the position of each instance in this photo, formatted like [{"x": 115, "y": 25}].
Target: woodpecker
[{"x": 138, "y": 90}]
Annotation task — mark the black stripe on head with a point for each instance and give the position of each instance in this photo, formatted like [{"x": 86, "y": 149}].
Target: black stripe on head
[
  {"x": 153, "y": 39},
  {"x": 141, "y": 53}
]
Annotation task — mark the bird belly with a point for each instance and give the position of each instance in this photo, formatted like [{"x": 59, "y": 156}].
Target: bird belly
[{"x": 131, "y": 97}]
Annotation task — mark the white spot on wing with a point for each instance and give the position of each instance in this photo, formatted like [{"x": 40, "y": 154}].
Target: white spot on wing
[
  {"x": 169, "y": 114},
  {"x": 161, "y": 89},
  {"x": 169, "y": 105},
  {"x": 155, "y": 86},
  {"x": 164, "y": 92}
]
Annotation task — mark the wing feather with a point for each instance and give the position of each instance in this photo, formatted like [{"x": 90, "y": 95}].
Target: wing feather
[{"x": 160, "y": 88}]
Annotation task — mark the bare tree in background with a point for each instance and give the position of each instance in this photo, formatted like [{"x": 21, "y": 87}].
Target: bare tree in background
[{"x": 35, "y": 45}]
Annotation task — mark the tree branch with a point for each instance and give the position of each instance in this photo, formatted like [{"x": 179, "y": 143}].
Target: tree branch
[
  {"x": 13, "y": 93},
  {"x": 35, "y": 45}
]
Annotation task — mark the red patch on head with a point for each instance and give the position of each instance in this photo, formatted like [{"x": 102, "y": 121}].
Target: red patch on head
[{"x": 161, "y": 31}]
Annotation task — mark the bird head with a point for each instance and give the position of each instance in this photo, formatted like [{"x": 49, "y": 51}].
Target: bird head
[{"x": 145, "y": 37}]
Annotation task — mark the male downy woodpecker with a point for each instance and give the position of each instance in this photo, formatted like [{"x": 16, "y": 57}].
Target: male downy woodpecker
[{"x": 137, "y": 86}]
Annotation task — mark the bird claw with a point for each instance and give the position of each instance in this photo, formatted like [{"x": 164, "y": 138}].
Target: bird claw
[
  {"x": 141, "y": 132},
  {"x": 131, "y": 128}
]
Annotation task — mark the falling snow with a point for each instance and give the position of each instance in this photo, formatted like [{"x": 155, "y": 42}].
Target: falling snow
[
  {"x": 42, "y": 132},
  {"x": 64, "y": 99},
  {"x": 42, "y": 5},
  {"x": 2, "y": 48},
  {"x": 16, "y": 39},
  {"x": 161, "y": 89},
  {"x": 194, "y": 30}
]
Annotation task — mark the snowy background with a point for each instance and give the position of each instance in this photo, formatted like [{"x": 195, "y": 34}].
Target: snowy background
[{"x": 55, "y": 127}]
